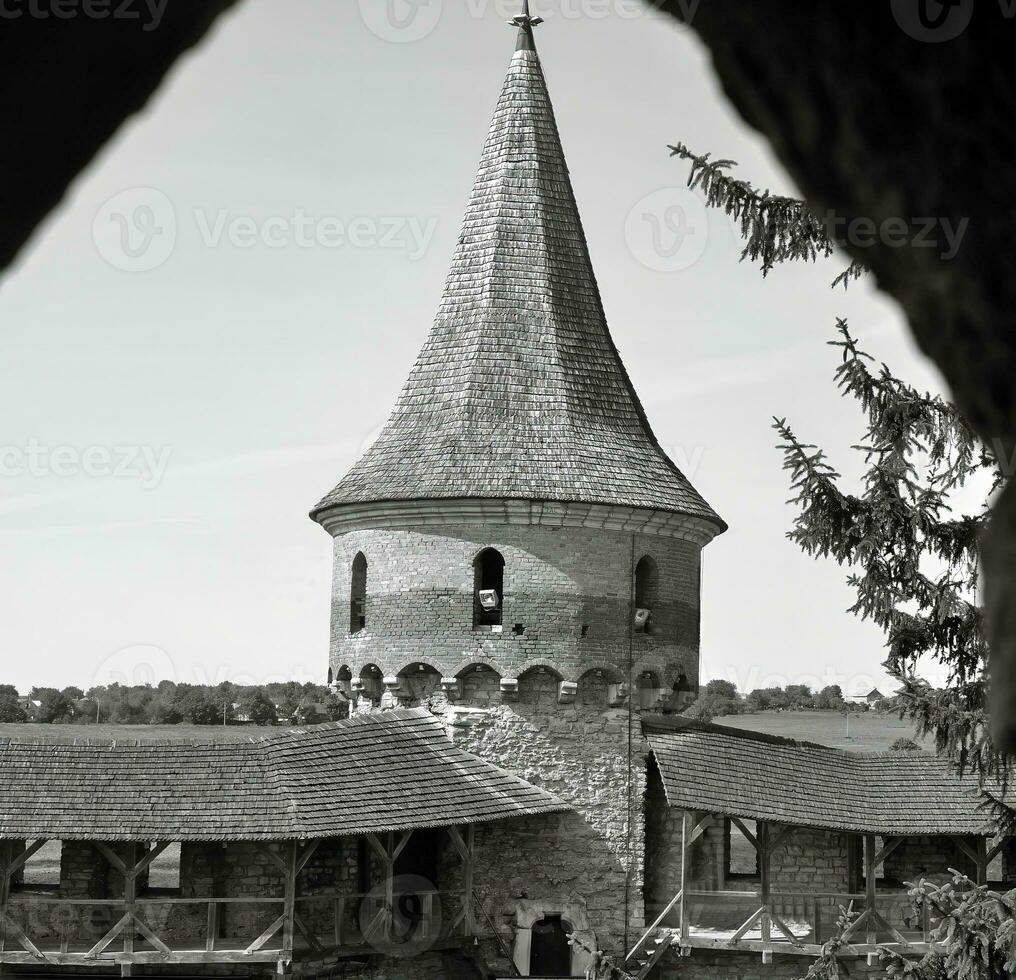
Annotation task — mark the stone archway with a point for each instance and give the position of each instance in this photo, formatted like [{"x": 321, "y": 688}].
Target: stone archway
[{"x": 529, "y": 912}]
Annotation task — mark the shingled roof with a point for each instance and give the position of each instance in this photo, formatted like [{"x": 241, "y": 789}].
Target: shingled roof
[
  {"x": 392, "y": 771},
  {"x": 519, "y": 392},
  {"x": 714, "y": 769}
]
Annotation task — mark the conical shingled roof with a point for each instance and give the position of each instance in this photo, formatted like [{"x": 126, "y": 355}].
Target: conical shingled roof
[{"x": 519, "y": 391}]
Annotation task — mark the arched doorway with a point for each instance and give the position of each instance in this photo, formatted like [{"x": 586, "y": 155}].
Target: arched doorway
[{"x": 550, "y": 954}]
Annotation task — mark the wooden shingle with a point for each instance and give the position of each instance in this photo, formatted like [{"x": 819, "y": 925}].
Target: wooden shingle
[
  {"x": 715, "y": 769},
  {"x": 519, "y": 392},
  {"x": 392, "y": 771}
]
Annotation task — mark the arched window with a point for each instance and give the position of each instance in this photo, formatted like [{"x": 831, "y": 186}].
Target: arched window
[
  {"x": 488, "y": 587},
  {"x": 358, "y": 594},
  {"x": 647, "y": 578}
]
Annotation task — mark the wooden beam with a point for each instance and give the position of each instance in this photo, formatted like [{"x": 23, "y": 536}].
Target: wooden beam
[
  {"x": 212, "y": 927},
  {"x": 982, "y": 860},
  {"x": 112, "y": 857},
  {"x": 775, "y": 839},
  {"x": 149, "y": 857},
  {"x": 765, "y": 887},
  {"x": 5, "y": 888},
  {"x": 309, "y": 936},
  {"x": 289, "y": 907},
  {"x": 266, "y": 935},
  {"x": 130, "y": 895},
  {"x": 389, "y": 884},
  {"x": 683, "y": 892},
  {"x": 745, "y": 832},
  {"x": 110, "y": 936},
  {"x": 152, "y": 937},
  {"x": 700, "y": 829},
  {"x": 857, "y": 923},
  {"x": 15, "y": 864},
  {"x": 651, "y": 929},
  {"x": 378, "y": 848},
  {"x": 745, "y": 927},
  {"x": 996, "y": 850},
  {"x": 22, "y": 937},
  {"x": 870, "y": 886},
  {"x": 274, "y": 857},
  {"x": 340, "y": 919},
  {"x": 965, "y": 848},
  {"x": 306, "y": 854},
  {"x": 468, "y": 872},
  {"x": 458, "y": 841},
  {"x": 401, "y": 845},
  {"x": 891, "y": 844},
  {"x": 785, "y": 929}
]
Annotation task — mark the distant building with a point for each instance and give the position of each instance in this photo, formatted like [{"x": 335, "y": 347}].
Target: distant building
[{"x": 874, "y": 696}]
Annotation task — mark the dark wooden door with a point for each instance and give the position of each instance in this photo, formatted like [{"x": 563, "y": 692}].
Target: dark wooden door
[{"x": 550, "y": 954}]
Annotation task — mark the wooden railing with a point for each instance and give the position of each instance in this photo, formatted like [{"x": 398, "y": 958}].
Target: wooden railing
[
  {"x": 41, "y": 928},
  {"x": 800, "y": 921}
]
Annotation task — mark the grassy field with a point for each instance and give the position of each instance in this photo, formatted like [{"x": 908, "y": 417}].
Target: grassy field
[
  {"x": 204, "y": 733},
  {"x": 43, "y": 867},
  {"x": 872, "y": 731}
]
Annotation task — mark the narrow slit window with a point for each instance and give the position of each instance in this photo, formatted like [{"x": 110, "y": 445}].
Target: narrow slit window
[
  {"x": 358, "y": 595},
  {"x": 488, "y": 594}
]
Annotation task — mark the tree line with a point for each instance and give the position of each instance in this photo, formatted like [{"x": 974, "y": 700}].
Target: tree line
[
  {"x": 168, "y": 703},
  {"x": 719, "y": 698}
]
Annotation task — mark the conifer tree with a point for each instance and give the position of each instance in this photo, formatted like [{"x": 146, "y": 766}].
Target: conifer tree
[{"x": 912, "y": 563}]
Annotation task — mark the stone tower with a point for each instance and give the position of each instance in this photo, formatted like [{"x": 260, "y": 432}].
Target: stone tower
[{"x": 516, "y": 550}]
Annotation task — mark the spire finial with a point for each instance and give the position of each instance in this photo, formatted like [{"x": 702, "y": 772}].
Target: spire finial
[{"x": 525, "y": 23}]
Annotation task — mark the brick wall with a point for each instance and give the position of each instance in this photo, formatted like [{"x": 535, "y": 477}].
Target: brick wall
[
  {"x": 570, "y": 588},
  {"x": 919, "y": 857}
]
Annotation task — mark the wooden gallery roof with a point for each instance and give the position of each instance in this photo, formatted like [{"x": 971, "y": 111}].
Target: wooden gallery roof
[
  {"x": 716, "y": 769},
  {"x": 392, "y": 771},
  {"x": 519, "y": 391}
]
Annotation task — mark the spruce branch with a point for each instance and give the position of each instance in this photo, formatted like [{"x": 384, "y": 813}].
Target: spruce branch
[{"x": 774, "y": 228}]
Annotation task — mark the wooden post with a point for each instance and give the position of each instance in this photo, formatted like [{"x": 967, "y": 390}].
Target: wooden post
[
  {"x": 5, "y": 889},
  {"x": 340, "y": 914},
  {"x": 684, "y": 924},
  {"x": 130, "y": 894},
  {"x": 468, "y": 880},
  {"x": 212, "y": 931},
  {"x": 389, "y": 921},
  {"x": 870, "y": 889},
  {"x": 289, "y": 906},
  {"x": 764, "y": 890},
  {"x": 982, "y": 860}
]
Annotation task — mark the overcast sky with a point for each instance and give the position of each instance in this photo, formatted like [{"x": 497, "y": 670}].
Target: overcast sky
[{"x": 206, "y": 335}]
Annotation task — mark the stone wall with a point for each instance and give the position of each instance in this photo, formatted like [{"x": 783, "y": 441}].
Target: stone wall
[
  {"x": 922, "y": 857},
  {"x": 567, "y": 601},
  {"x": 581, "y": 860}
]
